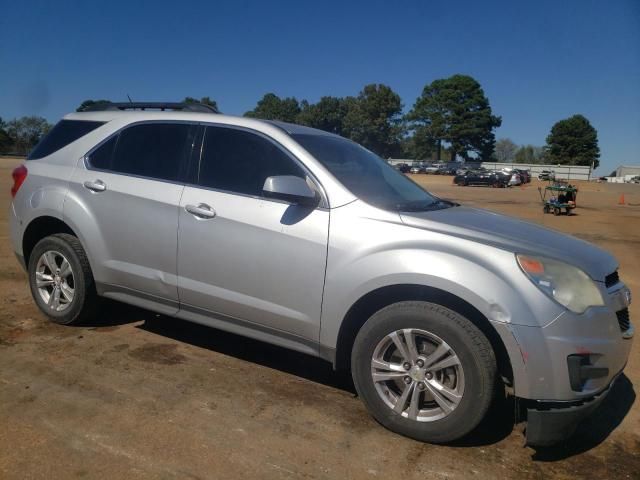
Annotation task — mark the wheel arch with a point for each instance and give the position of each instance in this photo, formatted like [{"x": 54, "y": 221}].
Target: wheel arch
[
  {"x": 379, "y": 298},
  {"x": 39, "y": 228}
]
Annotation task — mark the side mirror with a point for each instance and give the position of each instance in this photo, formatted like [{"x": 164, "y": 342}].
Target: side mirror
[{"x": 290, "y": 188}]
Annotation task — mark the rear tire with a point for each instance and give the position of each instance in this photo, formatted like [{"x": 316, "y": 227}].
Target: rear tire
[
  {"x": 442, "y": 404},
  {"x": 61, "y": 281}
]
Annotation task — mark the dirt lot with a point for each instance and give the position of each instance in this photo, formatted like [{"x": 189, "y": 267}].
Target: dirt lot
[{"x": 136, "y": 395}]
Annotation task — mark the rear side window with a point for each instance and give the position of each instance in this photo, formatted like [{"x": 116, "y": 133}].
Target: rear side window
[
  {"x": 239, "y": 161},
  {"x": 102, "y": 157},
  {"x": 64, "y": 133},
  {"x": 155, "y": 150}
]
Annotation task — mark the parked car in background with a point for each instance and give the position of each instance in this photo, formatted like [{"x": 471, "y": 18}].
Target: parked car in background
[
  {"x": 432, "y": 169},
  {"x": 304, "y": 239},
  {"x": 513, "y": 174},
  {"x": 417, "y": 170},
  {"x": 525, "y": 175},
  {"x": 547, "y": 175},
  {"x": 482, "y": 177},
  {"x": 446, "y": 170},
  {"x": 402, "y": 167},
  {"x": 514, "y": 178}
]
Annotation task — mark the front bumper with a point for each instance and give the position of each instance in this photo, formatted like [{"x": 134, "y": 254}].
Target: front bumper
[
  {"x": 543, "y": 367},
  {"x": 551, "y": 422},
  {"x": 564, "y": 370}
]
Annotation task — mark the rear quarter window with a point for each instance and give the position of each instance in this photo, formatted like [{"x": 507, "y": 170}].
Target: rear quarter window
[{"x": 64, "y": 133}]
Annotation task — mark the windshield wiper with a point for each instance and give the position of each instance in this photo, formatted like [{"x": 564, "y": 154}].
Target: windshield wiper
[{"x": 421, "y": 206}]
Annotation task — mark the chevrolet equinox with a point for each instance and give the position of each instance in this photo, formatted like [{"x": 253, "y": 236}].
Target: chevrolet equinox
[{"x": 307, "y": 240}]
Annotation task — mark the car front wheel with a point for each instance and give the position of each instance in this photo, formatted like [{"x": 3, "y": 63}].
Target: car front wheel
[{"x": 424, "y": 371}]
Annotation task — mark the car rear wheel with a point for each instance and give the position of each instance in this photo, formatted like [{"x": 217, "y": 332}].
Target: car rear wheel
[
  {"x": 424, "y": 371},
  {"x": 61, "y": 280}
]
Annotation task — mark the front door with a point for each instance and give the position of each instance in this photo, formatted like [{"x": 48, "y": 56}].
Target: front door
[{"x": 243, "y": 257}]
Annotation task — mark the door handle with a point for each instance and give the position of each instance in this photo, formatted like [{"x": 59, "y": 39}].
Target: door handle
[
  {"x": 96, "y": 186},
  {"x": 202, "y": 210}
]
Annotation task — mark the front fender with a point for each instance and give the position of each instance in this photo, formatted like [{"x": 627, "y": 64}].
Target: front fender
[
  {"x": 495, "y": 296},
  {"x": 486, "y": 291},
  {"x": 370, "y": 250}
]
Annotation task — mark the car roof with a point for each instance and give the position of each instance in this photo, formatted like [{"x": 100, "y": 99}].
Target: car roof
[
  {"x": 173, "y": 115},
  {"x": 293, "y": 129}
]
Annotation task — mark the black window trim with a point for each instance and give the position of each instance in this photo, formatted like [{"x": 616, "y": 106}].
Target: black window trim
[
  {"x": 322, "y": 205},
  {"x": 184, "y": 169},
  {"x": 198, "y": 147}
]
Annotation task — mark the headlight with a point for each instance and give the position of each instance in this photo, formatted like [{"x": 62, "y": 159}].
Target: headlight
[{"x": 565, "y": 283}]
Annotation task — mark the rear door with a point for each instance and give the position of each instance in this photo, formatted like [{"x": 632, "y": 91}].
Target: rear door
[
  {"x": 129, "y": 189},
  {"x": 251, "y": 260}
]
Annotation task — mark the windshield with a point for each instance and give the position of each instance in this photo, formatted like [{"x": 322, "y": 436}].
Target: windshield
[{"x": 367, "y": 176}]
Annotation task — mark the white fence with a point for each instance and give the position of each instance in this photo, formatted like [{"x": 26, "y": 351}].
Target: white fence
[
  {"x": 624, "y": 179},
  {"x": 565, "y": 172},
  {"x": 411, "y": 163}
]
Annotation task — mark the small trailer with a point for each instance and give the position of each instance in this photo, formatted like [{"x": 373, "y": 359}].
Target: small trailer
[{"x": 558, "y": 196}]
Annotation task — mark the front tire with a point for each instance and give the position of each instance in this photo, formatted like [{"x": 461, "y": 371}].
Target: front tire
[
  {"x": 61, "y": 281},
  {"x": 424, "y": 371}
]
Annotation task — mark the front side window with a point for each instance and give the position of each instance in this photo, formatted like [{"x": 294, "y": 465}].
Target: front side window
[
  {"x": 366, "y": 175},
  {"x": 154, "y": 150},
  {"x": 239, "y": 161},
  {"x": 64, "y": 133}
]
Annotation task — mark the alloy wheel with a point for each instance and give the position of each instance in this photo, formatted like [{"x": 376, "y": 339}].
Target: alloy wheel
[
  {"x": 55, "y": 281},
  {"x": 417, "y": 374}
]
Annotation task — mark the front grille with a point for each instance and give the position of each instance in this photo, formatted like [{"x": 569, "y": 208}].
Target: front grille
[
  {"x": 623, "y": 319},
  {"x": 611, "y": 279}
]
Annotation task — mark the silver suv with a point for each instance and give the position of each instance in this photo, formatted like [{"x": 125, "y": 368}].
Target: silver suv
[{"x": 307, "y": 240}]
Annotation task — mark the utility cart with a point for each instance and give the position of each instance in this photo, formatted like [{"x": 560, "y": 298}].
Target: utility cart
[{"x": 558, "y": 196}]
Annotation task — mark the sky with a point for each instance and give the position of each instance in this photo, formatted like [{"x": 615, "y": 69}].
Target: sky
[{"x": 538, "y": 61}]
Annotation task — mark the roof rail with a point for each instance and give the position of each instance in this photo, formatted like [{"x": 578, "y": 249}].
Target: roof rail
[{"x": 187, "y": 107}]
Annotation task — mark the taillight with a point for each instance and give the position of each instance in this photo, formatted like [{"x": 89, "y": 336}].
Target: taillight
[{"x": 19, "y": 176}]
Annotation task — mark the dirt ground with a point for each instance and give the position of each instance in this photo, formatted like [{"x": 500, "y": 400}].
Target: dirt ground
[{"x": 136, "y": 395}]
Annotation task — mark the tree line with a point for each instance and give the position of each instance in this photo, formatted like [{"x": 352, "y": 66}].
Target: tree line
[
  {"x": 452, "y": 118},
  {"x": 572, "y": 141},
  {"x": 20, "y": 135}
]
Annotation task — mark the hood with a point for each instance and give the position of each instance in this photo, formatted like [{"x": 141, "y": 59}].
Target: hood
[{"x": 516, "y": 236}]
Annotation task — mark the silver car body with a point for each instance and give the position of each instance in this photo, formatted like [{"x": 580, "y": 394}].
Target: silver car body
[{"x": 294, "y": 282}]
